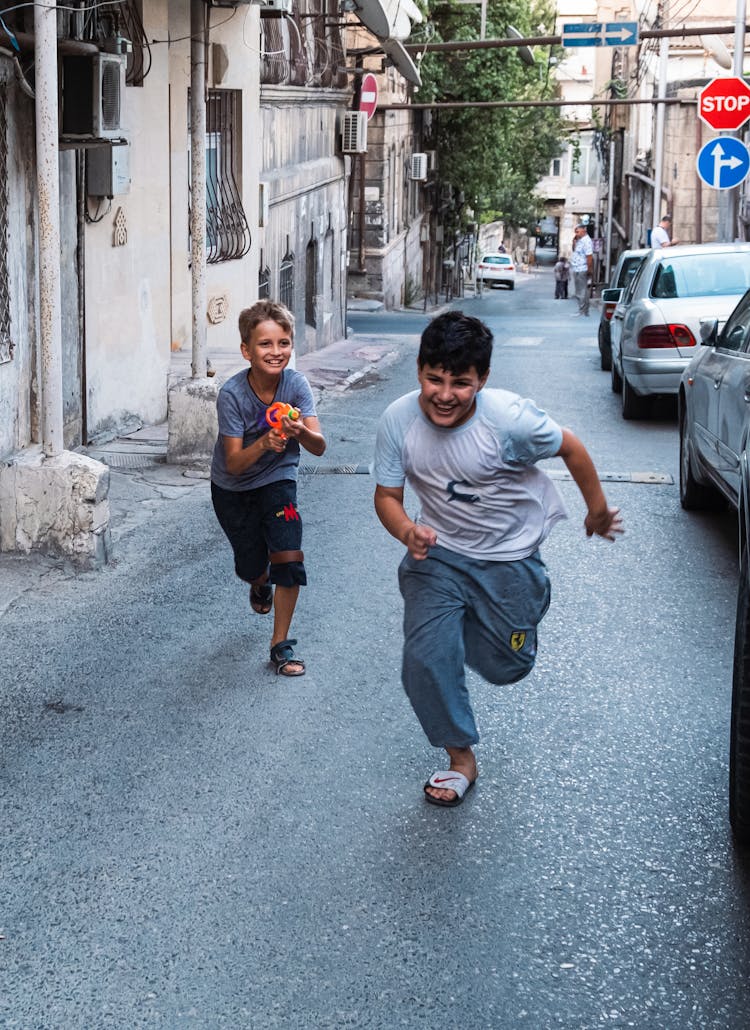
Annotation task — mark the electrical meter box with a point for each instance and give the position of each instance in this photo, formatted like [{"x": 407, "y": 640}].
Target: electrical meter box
[{"x": 108, "y": 170}]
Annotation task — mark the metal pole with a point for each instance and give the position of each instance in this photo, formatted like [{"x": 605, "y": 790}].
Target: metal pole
[
  {"x": 198, "y": 185},
  {"x": 48, "y": 192},
  {"x": 610, "y": 200},
  {"x": 659, "y": 140},
  {"x": 732, "y": 228}
]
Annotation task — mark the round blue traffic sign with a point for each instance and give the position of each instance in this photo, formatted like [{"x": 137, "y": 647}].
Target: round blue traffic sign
[{"x": 723, "y": 162}]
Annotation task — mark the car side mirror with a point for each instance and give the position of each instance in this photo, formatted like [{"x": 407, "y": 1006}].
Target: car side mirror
[{"x": 709, "y": 331}]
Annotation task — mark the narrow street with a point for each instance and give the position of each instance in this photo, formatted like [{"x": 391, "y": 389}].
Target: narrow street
[{"x": 190, "y": 841}]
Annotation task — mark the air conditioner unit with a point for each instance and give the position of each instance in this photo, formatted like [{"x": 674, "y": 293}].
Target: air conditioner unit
[
  {"x": 93, "y": 96},
  {"x": 418, "y": 169},
  {"x": 354, "y": 132},
  {"x": 431, "y": 160},
  {"x": 274, "y": 8}
]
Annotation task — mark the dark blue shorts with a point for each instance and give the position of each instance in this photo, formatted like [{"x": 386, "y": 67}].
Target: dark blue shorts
[{"x": 264, "y": 527}]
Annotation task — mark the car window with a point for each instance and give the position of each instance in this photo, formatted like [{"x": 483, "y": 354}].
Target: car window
[
  {"x": 736, "y": 333},
  {"x": 495, "y": 259},
  {"x": 628, "y": 270},
  {"x": 701, "y": 275},
  {"x": 633, "y": 284}
]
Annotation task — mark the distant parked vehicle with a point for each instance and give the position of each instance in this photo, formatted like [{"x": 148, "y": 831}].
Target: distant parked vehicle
[
  {"x": 497, "y": 268},
  {"x": 714, "y": 418},
  {"x": 655, "y": 326},
  {"x": 625, "y": 269}
]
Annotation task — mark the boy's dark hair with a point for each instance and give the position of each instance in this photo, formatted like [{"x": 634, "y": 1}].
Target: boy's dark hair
[
  {"x": 456, "y": 342},
  {"x": 265, "y": 311}
]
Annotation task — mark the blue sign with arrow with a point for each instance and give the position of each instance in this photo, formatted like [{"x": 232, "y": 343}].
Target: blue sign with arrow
[
  {"x": 723, "y": 163},
  {"x": 597, "y": 33}
]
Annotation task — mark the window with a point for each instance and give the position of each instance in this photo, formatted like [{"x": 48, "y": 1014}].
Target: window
[
  {"x": 286, "y": 281},
  {"x": 311, "y": 282},
  {"x": 6, "y": 343},
  {"x": 556, "y": 167},
  {"x": 264, "y": 283},
  {"x": 583, "y": 163},
  {"x": 227, "y": 230}
]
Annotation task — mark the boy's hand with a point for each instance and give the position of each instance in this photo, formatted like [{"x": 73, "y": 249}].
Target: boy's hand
[
  {"x": 292, "y": 426},
  {"x": 419, "y": 540},
  {"x": 606, "y": 523},
  {"x": 274, "y": 441}
]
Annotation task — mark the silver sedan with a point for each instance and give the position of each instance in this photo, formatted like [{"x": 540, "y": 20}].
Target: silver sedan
[{"x": 656, "y": 325}]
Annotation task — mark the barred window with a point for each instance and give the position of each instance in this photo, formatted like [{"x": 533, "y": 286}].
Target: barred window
[
  {"x": 6, "y": 343},
  {"x": 227, "y": 229},
  {"x": 286, "y": 281},
  {"x": 311, "y": 282},
  {"x": 264, "y": 283}
]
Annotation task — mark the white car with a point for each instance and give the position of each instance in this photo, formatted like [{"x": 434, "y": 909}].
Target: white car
[{"x": 497, "y": 268}]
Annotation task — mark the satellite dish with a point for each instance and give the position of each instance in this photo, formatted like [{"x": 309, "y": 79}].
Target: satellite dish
[
  {"x": 523, "y": 51},
  {"x": 717, "y": 50}
]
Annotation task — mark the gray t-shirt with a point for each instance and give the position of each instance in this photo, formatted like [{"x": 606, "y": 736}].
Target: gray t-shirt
[
  {"x": 477, "y": 484},
  {"x": 242, "y": 413}
]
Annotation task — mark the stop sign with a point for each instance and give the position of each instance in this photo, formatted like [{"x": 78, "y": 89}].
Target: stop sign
[
  {"x": 368, "y": 95},
  {"x": 724, "y": 104}
]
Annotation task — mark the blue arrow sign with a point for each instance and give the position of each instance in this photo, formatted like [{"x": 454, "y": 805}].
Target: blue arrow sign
[
  {"x": 723, "y": 163},
  {"x": 596, "y": 33}
]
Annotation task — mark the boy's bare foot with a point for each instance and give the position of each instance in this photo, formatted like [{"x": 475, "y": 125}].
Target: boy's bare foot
[{"x": 463, "y": 761}]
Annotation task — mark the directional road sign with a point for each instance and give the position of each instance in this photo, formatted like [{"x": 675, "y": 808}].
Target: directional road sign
[
  {"x": 368, "y": 96},
  {"x": 597, "y": 33},
  {"x": 724, "y": 103},
  {"x": 723, "y": 163}
]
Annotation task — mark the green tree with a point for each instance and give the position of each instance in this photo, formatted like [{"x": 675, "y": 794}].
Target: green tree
[{"x": 494, "y": 155}]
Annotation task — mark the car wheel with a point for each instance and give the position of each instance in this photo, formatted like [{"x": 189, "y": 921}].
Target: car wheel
[
  {"x": 616, "y": 378},
  {"x": 511, "y": 286},
  {"x": 739, "y": 734},
  {"x": 694, "y": 496},
  {"x": 633, "y": 406}
]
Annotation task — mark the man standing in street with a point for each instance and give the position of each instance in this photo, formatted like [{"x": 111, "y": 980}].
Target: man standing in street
[
  {"x": 581, "y": 265},
  {"x": 660, "y": 234}
]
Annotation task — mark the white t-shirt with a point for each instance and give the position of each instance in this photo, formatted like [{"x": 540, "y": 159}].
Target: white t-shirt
[
  {"x": 659, "y": 237},
  {"x": 477, "y": 484}
]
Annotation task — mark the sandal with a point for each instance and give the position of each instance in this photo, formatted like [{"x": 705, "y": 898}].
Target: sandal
[
  {"x": 282, "y": 655},
  {"x": 453, "y": 780},
  {"x": 261, "y": 598}
]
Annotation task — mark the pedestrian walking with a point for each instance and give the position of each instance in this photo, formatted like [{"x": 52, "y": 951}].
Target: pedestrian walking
[
  {"x": 562, "y": 273},
  {"x": 473, "y": 581},
  {"x": 581, "y": 265},
  {"x": 254, "y": 470}
]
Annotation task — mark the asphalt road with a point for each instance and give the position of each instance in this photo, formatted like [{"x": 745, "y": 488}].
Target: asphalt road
[{"x": 190, "y": 841}]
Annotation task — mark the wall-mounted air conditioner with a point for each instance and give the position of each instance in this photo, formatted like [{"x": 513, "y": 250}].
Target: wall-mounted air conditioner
[
  {"x": 93, "y": 96},
  {"x": 354, "y": 132},
  {"x": 418, "y": 168},
  {"x": 274, "y": 8}
]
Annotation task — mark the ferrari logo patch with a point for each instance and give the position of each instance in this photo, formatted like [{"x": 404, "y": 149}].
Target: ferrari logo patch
[{"x": 517, "y": 639}]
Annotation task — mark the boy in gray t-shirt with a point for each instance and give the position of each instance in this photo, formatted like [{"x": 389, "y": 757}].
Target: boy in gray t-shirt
[{"x": 473, "y": 582}]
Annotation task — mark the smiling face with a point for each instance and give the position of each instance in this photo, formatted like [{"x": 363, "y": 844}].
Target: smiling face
[
  {"x": 447, "y": 399},
  {"x": 269, "y": 348}
]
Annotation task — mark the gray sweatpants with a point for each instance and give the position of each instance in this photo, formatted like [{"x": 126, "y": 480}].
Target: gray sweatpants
[{"x": 460, "y": 611}]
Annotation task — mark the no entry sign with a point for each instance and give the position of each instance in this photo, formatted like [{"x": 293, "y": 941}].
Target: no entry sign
[
  {"x": 368, "y": 97},
  {"x": 724, "y": 103}
]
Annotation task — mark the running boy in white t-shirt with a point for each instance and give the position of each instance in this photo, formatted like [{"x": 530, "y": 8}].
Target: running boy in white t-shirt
[{"x": 473, "y": 582}]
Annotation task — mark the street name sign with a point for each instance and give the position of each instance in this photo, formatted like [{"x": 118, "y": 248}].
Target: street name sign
[
  {"x": 597, "y": 33},
  {"x": 723, "y": 163},
  {"x": 368, "y": 96},
  {"x": 724, "y": 103}
]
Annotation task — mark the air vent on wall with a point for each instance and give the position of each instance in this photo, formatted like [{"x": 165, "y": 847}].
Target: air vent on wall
[
  {"x": 354, "y": 132},
  {"x": 418, "y": 168}
]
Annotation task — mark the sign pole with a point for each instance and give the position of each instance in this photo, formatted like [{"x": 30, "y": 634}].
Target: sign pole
[
  {"x": 659, "y": 141},
  {"x": 732, "y": 227}
]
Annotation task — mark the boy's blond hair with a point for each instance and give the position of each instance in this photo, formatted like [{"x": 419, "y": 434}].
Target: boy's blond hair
[{"x": 265, "y": 311}]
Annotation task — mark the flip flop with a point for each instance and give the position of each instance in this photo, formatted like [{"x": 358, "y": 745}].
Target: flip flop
[
  {"x": 261, "y": 598},
  {"x": 448, "y": 779},
  {"x": 282, "y": 654}
]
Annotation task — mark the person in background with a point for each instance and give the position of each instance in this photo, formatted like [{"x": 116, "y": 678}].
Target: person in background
[
  {"x": 660, "y": 234},
  {"x": 562, "y": 273},
  {"x": 582, "y": 265}
]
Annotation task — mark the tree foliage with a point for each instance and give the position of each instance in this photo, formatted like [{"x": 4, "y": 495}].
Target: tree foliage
[{"x": 494, "y": 155}]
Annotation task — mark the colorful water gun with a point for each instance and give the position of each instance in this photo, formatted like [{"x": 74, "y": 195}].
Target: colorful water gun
[{"x": 279, "y": 410}]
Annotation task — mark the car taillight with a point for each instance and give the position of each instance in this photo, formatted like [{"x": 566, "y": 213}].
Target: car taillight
[
  {"x": 511, "y": 268},
  {"x": 672, "y": 335},
  {"x": 609, "y": 310}
]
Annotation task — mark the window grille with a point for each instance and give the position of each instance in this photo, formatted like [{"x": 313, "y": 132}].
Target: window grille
[
  {"x": 304, "y": 49},
  {"x": 286, "y": 281},
  {"x": 311, "y": 282},
  {"x": 264, "y": 283},
  {"x": 6, "y": 343}
]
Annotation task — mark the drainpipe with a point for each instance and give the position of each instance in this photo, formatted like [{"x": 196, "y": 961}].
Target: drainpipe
[
  {"x": 659, "y": 140},
  {"x": 198, "y": 184},
  {"x": 48, "y": 192},
  {"x": 610, "y": 202}
]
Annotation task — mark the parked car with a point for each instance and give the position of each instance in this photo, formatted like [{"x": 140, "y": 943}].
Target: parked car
[
  {"x": 714, "y": 420},
  {"x": 497, "y": 268},
  {"x": 655, "y": 326},
  {"x": 625, "y": 269}
]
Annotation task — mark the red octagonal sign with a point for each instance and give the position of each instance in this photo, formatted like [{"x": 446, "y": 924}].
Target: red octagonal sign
[{"x": 724, "y": 104}]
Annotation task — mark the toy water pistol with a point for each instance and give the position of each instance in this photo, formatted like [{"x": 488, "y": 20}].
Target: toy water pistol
[{"x": 277, "y": 411}]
